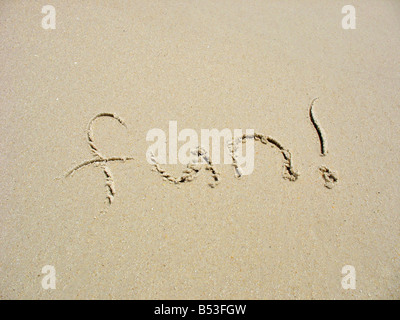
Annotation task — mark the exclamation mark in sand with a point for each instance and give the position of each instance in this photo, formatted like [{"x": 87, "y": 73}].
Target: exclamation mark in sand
[{"x": 330, "y": 177}]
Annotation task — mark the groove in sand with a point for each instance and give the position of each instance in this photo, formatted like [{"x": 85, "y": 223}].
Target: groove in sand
[
  {"x": 99, "y": 158},
  {"x": 320, "y": 130},
  {"x": 192, "y": 169},
  {"x": 288, "y": 172},
  {"x": 330, "y": 177}
]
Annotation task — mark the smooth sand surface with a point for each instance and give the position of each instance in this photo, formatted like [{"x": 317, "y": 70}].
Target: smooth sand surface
[{"x": 206, "y": 64}]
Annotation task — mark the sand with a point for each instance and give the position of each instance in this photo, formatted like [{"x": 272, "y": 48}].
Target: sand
[{"x": 205, "y": 64}]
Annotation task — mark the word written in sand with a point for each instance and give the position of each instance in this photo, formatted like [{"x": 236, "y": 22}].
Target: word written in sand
[{"x": 201, "y": 159}]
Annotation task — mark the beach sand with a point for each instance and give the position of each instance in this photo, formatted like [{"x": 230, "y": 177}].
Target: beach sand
[{"x": 205, "y": 64}]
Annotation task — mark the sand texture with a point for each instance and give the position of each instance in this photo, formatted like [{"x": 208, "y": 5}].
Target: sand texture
[{"x": 79, "y": 194}]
